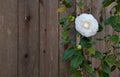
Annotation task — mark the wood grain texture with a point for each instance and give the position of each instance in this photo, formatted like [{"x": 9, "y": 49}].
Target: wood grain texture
[
  {"x": 28, "y": 60},
  {"x": 48, "y": 38},
  {"x": 30, "y": 37},
  {"x": 99, "y": 15},
  {"x": 8, "y": 38}
]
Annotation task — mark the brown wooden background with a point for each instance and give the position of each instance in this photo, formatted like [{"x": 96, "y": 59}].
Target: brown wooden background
[{"x": 30, "y": 43}]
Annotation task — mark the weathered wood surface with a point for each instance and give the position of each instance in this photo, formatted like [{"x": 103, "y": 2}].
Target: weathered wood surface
[
  {"x": 30, "y": 37},
  {"x": 49, "y": 38},
  {"x": 8, "y": 38}
]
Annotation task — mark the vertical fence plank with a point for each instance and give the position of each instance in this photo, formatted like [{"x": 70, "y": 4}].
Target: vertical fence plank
[
  {"x": 28, "y": 38},
  {"x": 64, "y": 66},
  {"x": 48, "y": 38},
  {"x": 8, "y": 38},
  {"x": 100, "y": 16}
]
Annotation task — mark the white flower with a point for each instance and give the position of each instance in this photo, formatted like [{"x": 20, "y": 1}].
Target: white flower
[{"x": 86, "y": 25}]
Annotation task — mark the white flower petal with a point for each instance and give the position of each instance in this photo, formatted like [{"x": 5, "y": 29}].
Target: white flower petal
[{"x": 86, "y": 25}]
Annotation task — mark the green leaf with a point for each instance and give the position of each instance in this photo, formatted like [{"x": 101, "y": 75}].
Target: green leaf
[
  {"x": 116, "y": 27},
  {"x": 118, "y": 54},
  {"x": 64, "y": 35},
  {"x": 98, "y": 55},
  {"x": 102, "y": 74},
  {"x": 65, "y": 42},
  {"x": 107, "y": 2},
  {"x": 88, "y": 68},
  {"x": 118, "y": 1},
  {"x": 68, "y": 53},
  {"x": 113, "y": 68},
  {"x": 72, "y": 41},
  {"x": 100, "y": 28},
  {"x": 116, "y": 47},
  {"x": 93, "y": 74},
  {"x": 91, "y": 51},
  {"x": 72, "y": 69},
  {"x": 88, "y": 62},
  {"x": 71, "y": 18},
  {"x": 99, "y": 39},
  {"x": 109, "y": 20},
  {"x": 68, "y": 27},
  {"x": 118, "y": 63},
  {"x": 85, "y": 42},
  {"x": 76, "y": 61},
  {"x": 114, "y": 21},
  {"x": 77, "y": 33},
  {"x": 110, "y": 59},
  {"x": 80, "y": 4},
  {"x": 117, "y": 7},
  {"x": 106, "y": 68},
  {"x": 63, "y": 21},
  {"x": 77, "y": 74},
  {"x": 67, "y": 3},
  {"x": 114, "y": 38}
]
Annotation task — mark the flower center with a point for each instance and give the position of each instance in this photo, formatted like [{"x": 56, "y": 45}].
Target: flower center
[{"x": 86, "y": 25}]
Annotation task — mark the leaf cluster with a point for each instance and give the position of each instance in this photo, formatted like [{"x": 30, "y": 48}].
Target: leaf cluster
[{"x": 80, "y": 56}]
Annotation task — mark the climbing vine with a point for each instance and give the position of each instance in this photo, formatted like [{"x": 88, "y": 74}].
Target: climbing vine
[{"x": 86, "y": 27}]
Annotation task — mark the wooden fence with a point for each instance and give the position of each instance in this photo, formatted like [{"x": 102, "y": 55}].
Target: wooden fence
[{"x": 30, "y": 42}]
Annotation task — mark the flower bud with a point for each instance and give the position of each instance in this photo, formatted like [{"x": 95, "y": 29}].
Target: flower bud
[{"x": 79, "y": 47}]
